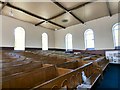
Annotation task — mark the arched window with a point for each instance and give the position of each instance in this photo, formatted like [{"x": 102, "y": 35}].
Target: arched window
[
  {"x": 89, "y": 39},
  {"x": 44, "y": 41},
  {"x": 68, "y": 42},
  {"x": 19, "y": 38},
  {"x": 116, "y": 33}
]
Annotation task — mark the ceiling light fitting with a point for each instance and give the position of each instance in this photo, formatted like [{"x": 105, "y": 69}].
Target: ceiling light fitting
[
  {"x": 65, "y": 20},
  {"x": 56, "y": 29}
]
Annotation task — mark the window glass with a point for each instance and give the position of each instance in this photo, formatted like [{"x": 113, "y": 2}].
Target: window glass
[
  {"x": 89, "y": 39},
  {"x": 19, "y": 39},
  {"x": 44, "y": 41},
  {"x": 68, "y": 42}
]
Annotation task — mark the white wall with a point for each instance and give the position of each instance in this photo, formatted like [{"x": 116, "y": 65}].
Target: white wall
[
  {"x": 102, "y": 28},
  {"x": 33, "y": 33}
]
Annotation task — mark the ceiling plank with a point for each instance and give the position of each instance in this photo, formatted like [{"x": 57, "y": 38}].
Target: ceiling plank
[
  {"x": 58, "y": 4},
  {"x": 57, "y": 15},
  {"x": 76, "y": 17},
  {"x": 56, "y": 24},
  {"x": 29, "y": 13},
  {"x": 108, "y": 7},
  {"x": 80, "y": 6}
]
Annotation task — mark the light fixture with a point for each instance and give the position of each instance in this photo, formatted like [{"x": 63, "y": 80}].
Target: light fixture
[
  {"x": 56, "y": 29},
  {"x": 65, "y": 20}
]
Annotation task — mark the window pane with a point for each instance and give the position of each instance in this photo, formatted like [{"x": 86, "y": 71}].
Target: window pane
[
  {"x": 44, "y": 41},
  {"x": 116, "y": 33},
  {"x": 89, "y": 39},
  {"x": 68, "y": 40},
  {"x": 19, "y": 39}
]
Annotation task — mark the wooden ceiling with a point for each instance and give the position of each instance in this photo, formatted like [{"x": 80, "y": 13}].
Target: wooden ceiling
[{"x": 57, "y": 14}]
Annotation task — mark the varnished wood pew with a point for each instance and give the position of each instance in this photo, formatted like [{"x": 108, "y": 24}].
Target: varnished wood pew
[
  {"x": 70, "y": 79},
  {"x": 101, "y": 63},
  {"x": 9, "y": 70},
  {"x": 28, "y": 80},
  {"x": 71, "y": 64},
  {"x": 45, "y": 58}
]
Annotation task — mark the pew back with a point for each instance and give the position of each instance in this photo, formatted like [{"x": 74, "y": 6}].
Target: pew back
[
  {"x": 70, "y": 80},
  {"x": 30, "y": 79}
]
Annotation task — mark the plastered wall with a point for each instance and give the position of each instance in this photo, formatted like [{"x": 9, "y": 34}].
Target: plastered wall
[
  {"x": 101, "y": 27},
  {"x": 33, "y": 33}
]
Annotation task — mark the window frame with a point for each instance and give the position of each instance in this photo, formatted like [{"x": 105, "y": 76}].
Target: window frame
[
  {"x": 113, "y": 33},
  {"x": 15, "y": 37},
  {"x": 46, "y": 35},
  {"x": 85, "y": 39},
  {"x": 67, "y": 36}
]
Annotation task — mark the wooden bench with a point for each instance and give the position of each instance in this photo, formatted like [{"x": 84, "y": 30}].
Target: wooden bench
[
  {"x": 30, "y": 79},
  {"x": 71, "y": 64},
  {"x": 70, "y": 79},
  {"x": 21, "y": 68}
]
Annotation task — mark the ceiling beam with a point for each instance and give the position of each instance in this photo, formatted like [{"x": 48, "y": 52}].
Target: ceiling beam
[
  {"x": 108, "y": 7},
  {"x": 39, "y": 23},
  {"x": 51, "y": 18},
  {"x": 29, "y": 13},
  {"x": 57, "y": 15},
  {"x": 51, "y": 23},
  {"x": 58, "y": 4},
  {"x": 65, "y": 12}
]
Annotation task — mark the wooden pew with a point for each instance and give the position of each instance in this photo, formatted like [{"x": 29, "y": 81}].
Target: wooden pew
[
  {"x": 58, "y": 78},
  {"x": 28, "y": 80},
  {"x": 71, "y": 64},
  {"x": 101, "y": 63},
  {"x": 21, "y": 68},
  {"x": 70, "y": 79},
  {"x": 45, "y": 57}
]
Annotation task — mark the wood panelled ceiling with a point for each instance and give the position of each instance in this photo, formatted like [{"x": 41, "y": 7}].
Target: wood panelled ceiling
[
  {"x": 90, "y": 12},
  {"x": 56, "y": 14},
  {"x": 20, "y": 15},
  {"x": 43, "y": 9},
  {"x": 114, "y": 7},
  {"x": 70, "y": 5},
  {"x": 71, "y": 20}
]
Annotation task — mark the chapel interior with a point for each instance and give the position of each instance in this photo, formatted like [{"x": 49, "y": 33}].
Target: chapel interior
[{"x": 60, "y": 44}]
